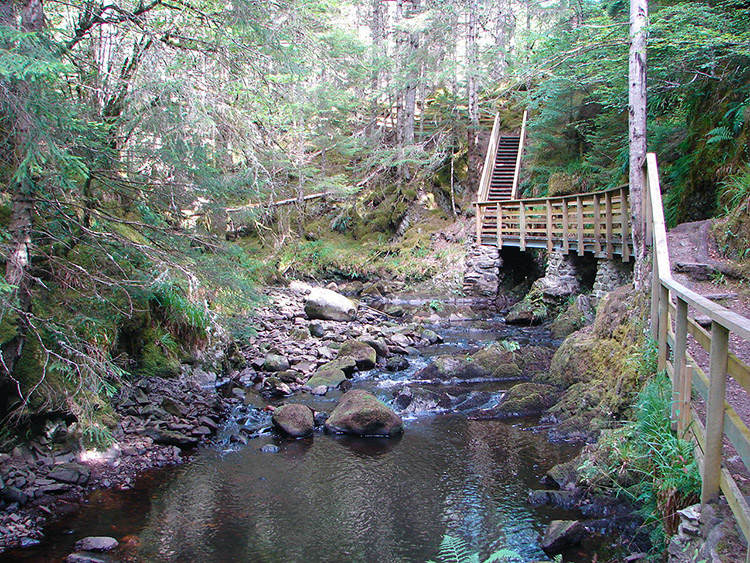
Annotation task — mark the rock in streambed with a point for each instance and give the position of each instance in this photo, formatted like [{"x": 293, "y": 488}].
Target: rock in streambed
[
  {"x": 361, "y": 413},
  {"x": 295, "y": 420}
]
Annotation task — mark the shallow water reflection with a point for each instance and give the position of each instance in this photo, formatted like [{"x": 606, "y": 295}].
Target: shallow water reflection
[{"x": 336, "y": 499}]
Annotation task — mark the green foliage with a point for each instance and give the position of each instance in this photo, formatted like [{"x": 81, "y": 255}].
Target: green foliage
[
  {"x": 698, "y": 99},
  {"x": 456, "y": 550},
  {"x": 510, "y": 345},
  {"x": 436, "y": 305},
  {"x": 647, "y": 463},
  {"x": 735, "y": 191}
]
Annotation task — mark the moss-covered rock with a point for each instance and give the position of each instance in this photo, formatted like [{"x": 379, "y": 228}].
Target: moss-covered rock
[
  {"x": 364, "y": 355},
  {"x": 524, "y": 399},
  {"x": 533, "y": 309},
  {"x": 573, "y": 317},
  {"x": 156, "y": 359},
  {"x": 562, "y": 183},
  {"x": 363, "y": 414},
  {"x": 495, "y": 362},
  {"x": 601, "y": 367},
  {"x": 327, "y": 377}
]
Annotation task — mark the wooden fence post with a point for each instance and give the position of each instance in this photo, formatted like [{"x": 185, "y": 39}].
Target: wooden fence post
[
  {"x": 522, "y": 224},
  {"x": 597, "y": 225},
  {"x": 565, "y": 218},
  {"x": 680, "y": 347},
  {"x": 608, "y": 230},
  {"x": 579, "y": 234},
  {"x": 663, "y": 326},
  {"x": 480, "y": 213},
  {"x": 548, "y": 205},
  {"x": 685, "y": 414},
  {"x": 499, "y": 232},
  {"x": 717, "y": 384}
]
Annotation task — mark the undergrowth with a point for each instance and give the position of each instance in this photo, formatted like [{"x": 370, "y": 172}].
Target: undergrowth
[{"x": 647, "y": 463}]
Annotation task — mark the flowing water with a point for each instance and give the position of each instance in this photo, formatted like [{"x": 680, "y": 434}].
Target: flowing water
[{"x": 335, "y": 498}]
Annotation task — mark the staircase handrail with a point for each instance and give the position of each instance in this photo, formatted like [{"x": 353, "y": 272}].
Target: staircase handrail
[
  {"x": 489, "y": 161},
  {"x": 517, "y": 171}
]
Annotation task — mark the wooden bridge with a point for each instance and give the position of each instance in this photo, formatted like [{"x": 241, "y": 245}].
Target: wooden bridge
[
  {"x": 599, "y": 223},
  {"x": 592, "y": 222}
]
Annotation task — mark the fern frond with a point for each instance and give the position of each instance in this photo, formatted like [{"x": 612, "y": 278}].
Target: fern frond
[
  {"x": 454, "y": 550},
  {"x": 503, "y": 555}
]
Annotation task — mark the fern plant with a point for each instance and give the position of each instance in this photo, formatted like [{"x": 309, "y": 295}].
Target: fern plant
[{"x": 456, "y": 550}]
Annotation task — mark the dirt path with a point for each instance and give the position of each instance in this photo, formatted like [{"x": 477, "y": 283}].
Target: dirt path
[{"x": 697, "y": 263}]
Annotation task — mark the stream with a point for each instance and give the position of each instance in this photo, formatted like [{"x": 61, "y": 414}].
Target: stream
[{"x": 337, "y": 498}]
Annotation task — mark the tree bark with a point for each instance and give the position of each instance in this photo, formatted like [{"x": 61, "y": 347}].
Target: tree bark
[
  {"x": 22, "y": 201},
  {"x": 637, "y": 129},
  {"x": 472, "y": 91}
]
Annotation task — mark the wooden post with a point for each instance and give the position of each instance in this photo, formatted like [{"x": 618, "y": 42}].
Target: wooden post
[
  {"x": 655, "y": 283},
  {"x": 522, "y": 224},
  {"x": 566, "y": 243},
  {"x": 499, "y": 233},
  {"x": 608, "y": 219},
  {"x": 579, "y": 205},
  {"x": 480, "y": 213},
  {"x": 597, "y": 225},
  {"x": 680, "y": 348},
  {"x": 663, "y": 327},
  {"x": 625, "y": 224},
  {"x": 548, "y": 203},
  {"x": 717, "y": 384},
  {"x": 685, "y": 415}
]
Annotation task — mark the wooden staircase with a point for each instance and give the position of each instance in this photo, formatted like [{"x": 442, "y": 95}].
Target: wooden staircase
[
  {"x": 504, "y": 169},
  {"x": 499, "y": 183}
]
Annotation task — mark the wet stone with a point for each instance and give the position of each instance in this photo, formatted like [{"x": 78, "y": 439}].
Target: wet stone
[
  {"x": 72, "y": 473},
  {"x": 97, "y": 543},
  {"x": 83, "y": 558}
]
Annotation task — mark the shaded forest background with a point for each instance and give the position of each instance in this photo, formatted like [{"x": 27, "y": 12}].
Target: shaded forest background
[{"x": 137, "y": 135}]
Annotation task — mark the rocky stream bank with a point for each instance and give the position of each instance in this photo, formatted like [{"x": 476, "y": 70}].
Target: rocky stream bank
[{"x": 309, "y": 342}]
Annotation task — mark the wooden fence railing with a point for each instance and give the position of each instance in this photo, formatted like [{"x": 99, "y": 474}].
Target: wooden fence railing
[
  {"x": 489, "y": 161},
  {"x": 671, "y": 305},
  {"x": 596, "y": 222}
]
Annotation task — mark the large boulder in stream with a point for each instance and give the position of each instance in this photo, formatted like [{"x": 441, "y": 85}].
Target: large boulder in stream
[
  {"x": 363, "y": 414},
  {"x": 562, "y": 534},
  {"x": 416, "y": 400},
  {"x": 365, "y": 357},
  {"x": 495, "y": 362},
  {"x": 524, "y": 399},
  {"x": 295, "y": 420},
  {"x": 329, "y": 305},
  {"x": 330, "y": 377}
]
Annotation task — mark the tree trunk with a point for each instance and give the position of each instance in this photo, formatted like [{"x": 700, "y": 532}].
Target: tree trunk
[
  {"x": 22, "y": 201},
  {"x": 472, "y": 91},
  {"x": 637, "y": 128}
]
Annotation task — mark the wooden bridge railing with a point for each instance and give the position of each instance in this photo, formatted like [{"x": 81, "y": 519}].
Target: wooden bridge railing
[
  {"x": 596, "y": 222},
  {"x": 671, "y": 307}
]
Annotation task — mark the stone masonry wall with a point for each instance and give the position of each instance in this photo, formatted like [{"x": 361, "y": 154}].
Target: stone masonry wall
[
  {"x": 610, "y": 274},
  {"x": 561, "y": 276},
  {"x": 482, "y": 271}
]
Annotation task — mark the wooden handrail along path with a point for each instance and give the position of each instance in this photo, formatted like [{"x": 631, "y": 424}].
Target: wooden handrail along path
[{"x": 671, "y": 323}]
